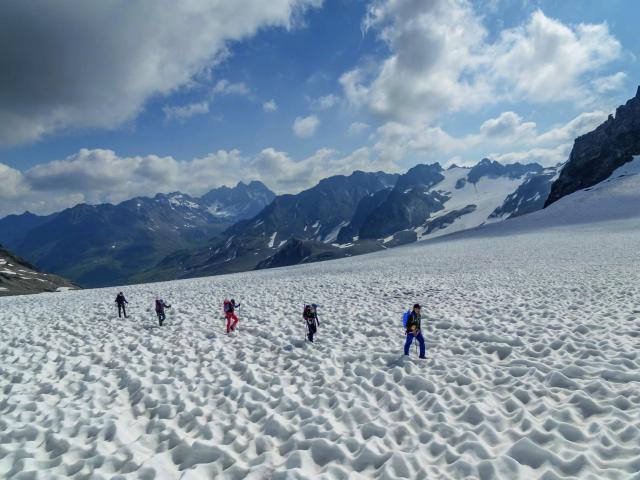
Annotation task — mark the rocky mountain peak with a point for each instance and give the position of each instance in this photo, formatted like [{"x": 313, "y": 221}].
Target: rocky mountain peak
[{"x": 597, "y": 154}]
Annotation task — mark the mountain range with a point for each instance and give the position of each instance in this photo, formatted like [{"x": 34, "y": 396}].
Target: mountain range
[
  {"x": 363, "y": 212},
  {"x": 100, "y": 245},
  {"x": 248, "y": 227}
]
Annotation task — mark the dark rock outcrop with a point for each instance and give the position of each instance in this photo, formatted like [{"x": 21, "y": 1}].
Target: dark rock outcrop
[
  {"x": 297, "y": 251},
  {"x": 18, "y": 277},
  {"x": 408, "y": 205},
  {"x": 444, "y": 221},
  {"x": 488, "y": 168},
  {"x": 402, "y": 210},
  {"x": 365, "y": 208},
  {"x": 529, "y": 197},
  {"x": 423, "y": 175},
  {"x": 597, "y": 154}
]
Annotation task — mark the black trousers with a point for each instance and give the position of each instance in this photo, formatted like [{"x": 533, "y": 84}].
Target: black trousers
[
  {"x": 161, "y": 317},
  {"x": 312, "y": 328},
  {"x": 122, "y": 310}
]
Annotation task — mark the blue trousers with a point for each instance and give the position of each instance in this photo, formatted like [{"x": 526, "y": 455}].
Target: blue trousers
[{"x": 409, "y": 341}]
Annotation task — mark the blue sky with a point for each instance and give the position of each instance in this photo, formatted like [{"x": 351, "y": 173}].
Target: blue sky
[{"x": 180, "y": 99}]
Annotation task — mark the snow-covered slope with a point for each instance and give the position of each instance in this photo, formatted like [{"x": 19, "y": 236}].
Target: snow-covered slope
[
  {"x": 533, "y": 368},
  {"x": 616, "y": 198},
  {"x": 435, "y": 202},
  {"x": 486, "y": 195}
]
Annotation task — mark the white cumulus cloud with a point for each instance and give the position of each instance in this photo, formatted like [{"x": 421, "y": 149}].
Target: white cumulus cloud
[
  {"x": 76, "y": 64},
  {"x": 270, "y": 106},
  {"x": 305, "y": 127},
  {"x": 443, "y": 60},
  {"x": 325, "y": 102},
  {"x": 185, "y": 111},
  {"x": 99, "y": 176},
  {"x": 222, "y": 87}
]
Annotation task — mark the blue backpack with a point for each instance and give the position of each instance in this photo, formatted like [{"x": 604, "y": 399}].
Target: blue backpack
[{"x": 405, "y": 318}]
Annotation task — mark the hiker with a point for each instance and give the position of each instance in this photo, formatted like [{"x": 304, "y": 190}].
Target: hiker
[
  {"x": 160, "y": 306},
  {"x": 229, "y": 307},
  {"x": 310, "y": 316},
  {"x": 121, "y": 302},
  {"x": 413, "y": 330}
]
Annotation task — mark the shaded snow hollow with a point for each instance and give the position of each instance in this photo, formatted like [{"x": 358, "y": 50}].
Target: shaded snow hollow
[{"x": 533, "y": 366}]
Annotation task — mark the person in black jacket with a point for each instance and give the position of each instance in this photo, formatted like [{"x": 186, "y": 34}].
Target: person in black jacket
[
  {"x": 414, "y": 331},
  {"x": 160, "y": 306},
  {"x": 310, "y": 316},
  {"x": 121, "y": 302}
]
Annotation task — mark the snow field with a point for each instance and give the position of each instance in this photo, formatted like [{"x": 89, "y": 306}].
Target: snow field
[{"x": 533, "y": 369}]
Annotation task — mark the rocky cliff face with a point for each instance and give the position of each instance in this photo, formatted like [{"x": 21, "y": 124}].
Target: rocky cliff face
[
  {"x": 597, "y": 154},
  {"x": 529, "y": 197}
]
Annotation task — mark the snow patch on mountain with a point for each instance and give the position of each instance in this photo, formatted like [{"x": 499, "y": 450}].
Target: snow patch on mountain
[
  {"x": 272, "y": 240},
  {"x": 218, "y": 210},
  {"x": 333, "y": 234},
  {"x": 178, "y": 200},
  {"x": 486, "y": 195}
]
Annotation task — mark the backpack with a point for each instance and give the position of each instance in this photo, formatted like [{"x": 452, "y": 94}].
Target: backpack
[
  {"x": 405, "y": 318},
  {"x": 227, "y": 306},
  {"x": 159, "y": 305}
]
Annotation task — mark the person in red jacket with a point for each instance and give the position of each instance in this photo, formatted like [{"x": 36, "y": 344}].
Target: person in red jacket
[{"x": 230, "y": 313}]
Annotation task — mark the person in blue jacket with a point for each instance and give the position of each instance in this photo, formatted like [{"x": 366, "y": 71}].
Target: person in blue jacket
[{"x": 414, "y": 331}]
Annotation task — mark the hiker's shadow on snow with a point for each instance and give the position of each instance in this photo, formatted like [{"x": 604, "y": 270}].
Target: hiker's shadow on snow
[
  {"x": 297, "y": 344},
  {"x": 395, "y": 360}
]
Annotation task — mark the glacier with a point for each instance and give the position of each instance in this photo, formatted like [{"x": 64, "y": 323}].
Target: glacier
[{"x": 533, "y": 368}]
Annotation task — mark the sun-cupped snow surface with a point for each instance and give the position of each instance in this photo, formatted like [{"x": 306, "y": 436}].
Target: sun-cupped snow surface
[{"x": 533, "y": 368}]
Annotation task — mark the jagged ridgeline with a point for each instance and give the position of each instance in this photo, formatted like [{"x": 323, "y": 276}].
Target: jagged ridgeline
[{"x": 344, "y": 216}]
